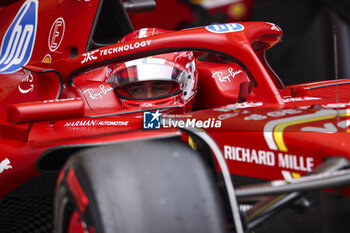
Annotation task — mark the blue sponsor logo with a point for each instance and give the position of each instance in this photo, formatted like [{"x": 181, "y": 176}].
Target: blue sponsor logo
[
  {"x": 18, "y": 41},
  {"x": 151, "y": 120},
  {"x": 225, "y": 28}
]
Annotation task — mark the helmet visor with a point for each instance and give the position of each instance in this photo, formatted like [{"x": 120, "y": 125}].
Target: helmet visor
[{"x": 148, "y": 69}]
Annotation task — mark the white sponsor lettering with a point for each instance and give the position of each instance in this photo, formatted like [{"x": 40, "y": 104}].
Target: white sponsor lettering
[
  {"x": 268, "y": 158},
  {"x": 59, "y": 100},
  {"x": 283, "y": 112},
  {"x": 89, "y": 56},
  {"x": 226, "y": 116},
  {"x": 5, "y": 165},
  {"x": 56, "y": 34},
  {"x": 98, "y": 95},
  {"x": 255, "y": 117},
  {"x": 249, "y": 155},
  {"x": 274, "y": 27},
  {"x": 296, "y": 163},
  {"x": 146, "y": 105},
  {"x": 232, "y": 107},
  {"x": 82, "y": 123},
  {"x": 113, "y": 123},
  {"x": 296, "y": 99},
  {"x": 336, "y": 105},
  {"x": 135, "y": 45},
  {"x": 28, "y": 78},
  {"x": 89, "y": 123},
  {"x": 226, "y": 78}
]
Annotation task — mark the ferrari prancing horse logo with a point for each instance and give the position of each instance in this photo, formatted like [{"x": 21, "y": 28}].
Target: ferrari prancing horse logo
[{"x": 5, "y": 165}]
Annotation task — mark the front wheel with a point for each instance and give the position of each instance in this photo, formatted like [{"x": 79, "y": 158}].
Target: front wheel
[{"x": 145, "y": 186}]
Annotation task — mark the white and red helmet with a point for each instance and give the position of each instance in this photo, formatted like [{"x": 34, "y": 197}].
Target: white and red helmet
[{"x": 177, "y": 68}]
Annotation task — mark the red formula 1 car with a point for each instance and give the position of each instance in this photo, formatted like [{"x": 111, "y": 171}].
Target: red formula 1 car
[{"x": 107, "y": 129}]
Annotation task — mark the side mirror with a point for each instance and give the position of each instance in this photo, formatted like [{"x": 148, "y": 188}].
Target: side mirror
[{"x": 47, "y": 110}]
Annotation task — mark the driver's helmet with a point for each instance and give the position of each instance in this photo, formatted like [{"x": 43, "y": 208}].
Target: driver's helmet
[{"x": 166, "y": 80}]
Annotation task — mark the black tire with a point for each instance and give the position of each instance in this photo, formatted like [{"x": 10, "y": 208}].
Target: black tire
[{"x": 146, "y": 186}]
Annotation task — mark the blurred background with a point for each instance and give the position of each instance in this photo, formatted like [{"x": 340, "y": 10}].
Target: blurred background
[{"x": 316, "y": 42}]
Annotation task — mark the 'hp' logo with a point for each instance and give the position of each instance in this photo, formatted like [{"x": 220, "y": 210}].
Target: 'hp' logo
[
  {"x": 225, "y": 28},
  {"x": 151, "y": 120},
  {"x": 18, "y": 42}
]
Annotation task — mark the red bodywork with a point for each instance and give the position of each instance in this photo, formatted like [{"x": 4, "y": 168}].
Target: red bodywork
[{"x": 266, "y": 128}]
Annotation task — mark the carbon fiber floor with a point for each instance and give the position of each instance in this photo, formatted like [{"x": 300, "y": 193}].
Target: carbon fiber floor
[
  {"x": 26, "y": 214},
  {"x": 29, "y": 208}
]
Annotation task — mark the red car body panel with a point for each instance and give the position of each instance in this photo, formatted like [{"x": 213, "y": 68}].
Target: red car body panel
[{"x": 55, "y": 103}]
